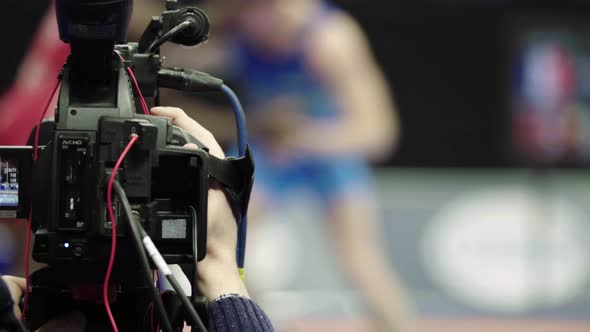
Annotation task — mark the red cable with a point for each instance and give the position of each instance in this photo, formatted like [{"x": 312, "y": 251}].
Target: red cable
[
  {"x": 143, "y": 103},
  {"x": 132, "y": 76},
  {"x": 105, "y": 287},
  {"x": 109, "y": 202},
  {"x": 30, "y": 221}
]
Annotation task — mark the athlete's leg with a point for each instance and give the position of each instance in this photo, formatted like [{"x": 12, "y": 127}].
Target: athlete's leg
[{"x": 354, "y": 233}]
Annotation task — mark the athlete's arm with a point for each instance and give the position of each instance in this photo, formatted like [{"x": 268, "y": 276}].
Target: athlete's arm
[{"x": 368, "y": 124}]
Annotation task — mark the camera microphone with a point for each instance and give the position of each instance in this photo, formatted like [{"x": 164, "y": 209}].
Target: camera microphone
[
  {"x": 192, "y": 23},
  {"x": 198, "y": 30}
]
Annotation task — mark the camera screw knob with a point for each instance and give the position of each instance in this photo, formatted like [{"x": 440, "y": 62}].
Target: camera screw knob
[{"x": 79, "y": 250}]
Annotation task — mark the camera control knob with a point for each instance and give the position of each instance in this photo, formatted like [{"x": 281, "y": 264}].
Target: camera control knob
[{"x": 79, "y": 250}]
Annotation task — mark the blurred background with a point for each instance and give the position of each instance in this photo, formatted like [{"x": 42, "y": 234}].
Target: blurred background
[{"x": 481, "y": 206}]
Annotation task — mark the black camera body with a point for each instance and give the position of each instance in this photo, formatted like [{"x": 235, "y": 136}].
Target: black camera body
[
  {"x": 165, "y": 183},
  {"x": 98, "y": 113}
]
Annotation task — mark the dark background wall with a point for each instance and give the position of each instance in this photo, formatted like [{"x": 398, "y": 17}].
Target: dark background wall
[
  {"x": 446, "y": 62},
  {"x": 19, "y": 22}
]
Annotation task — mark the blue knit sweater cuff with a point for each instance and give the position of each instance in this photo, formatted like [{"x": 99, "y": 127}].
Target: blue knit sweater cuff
[{"x": 232, "y": 312}]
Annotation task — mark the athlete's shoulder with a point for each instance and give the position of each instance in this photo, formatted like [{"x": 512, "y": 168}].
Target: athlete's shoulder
[{"x": 339, "y": 37}]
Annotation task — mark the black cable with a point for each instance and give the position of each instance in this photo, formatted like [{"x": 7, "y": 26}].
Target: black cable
[
  {"x": 169, "y": 35},
  {"x": 186, "y": 303},
  {"x": 174, "y": 283},
  {"x": 194, "y": 249},
  {"x": 120, "y": 193}
]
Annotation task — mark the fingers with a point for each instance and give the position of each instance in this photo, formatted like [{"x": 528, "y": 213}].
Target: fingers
[
  {"x": 16, "y": 287},
  {"x": 20, "y": 282},
  {"x": 180, "y": 119},
  {"x": 191, "y": 146}
]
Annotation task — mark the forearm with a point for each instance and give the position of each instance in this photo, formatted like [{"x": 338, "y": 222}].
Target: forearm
[
  {"x": 230, "y": 308},
  {"x": 343, "y": 137},
  {"x": 341, "y": 56},
  {"x": 217, "y": 279},
  {"x": 367, "y": 124},
  {"x": 370, "y": 123}
]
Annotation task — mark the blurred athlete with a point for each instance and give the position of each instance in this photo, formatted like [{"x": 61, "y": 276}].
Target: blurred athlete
[{"x": 319, "y": 110}]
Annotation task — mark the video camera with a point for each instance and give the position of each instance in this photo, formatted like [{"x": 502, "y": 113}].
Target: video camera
[{"x": 103, "y": 137}]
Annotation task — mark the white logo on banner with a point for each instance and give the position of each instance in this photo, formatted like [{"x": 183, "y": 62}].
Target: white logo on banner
[{"x": 509, "y": 249}]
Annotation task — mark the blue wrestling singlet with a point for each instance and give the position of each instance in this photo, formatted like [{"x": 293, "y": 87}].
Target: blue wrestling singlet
[{"x": 264, "y": 78}]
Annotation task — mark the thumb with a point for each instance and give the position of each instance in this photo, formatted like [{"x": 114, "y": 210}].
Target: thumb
[
  {"x": 70, "y": 322},
  {"x": 191, "y": 146}
]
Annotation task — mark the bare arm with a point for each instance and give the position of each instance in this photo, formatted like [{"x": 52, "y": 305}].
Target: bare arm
[{"x": 368, "y": 124}]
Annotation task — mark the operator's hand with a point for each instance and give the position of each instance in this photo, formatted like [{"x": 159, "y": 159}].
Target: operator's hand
[
  {"x": 16, "y": 287},
  {"x": 218, "y": 273},
  {"x": 70, "y": 322}
]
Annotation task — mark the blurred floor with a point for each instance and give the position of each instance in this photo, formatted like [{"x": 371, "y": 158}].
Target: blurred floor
[
  {"x": 458, "y": 325},
  {"x": 516, "y": 241},
  {"x": 489, "y": 218}
]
